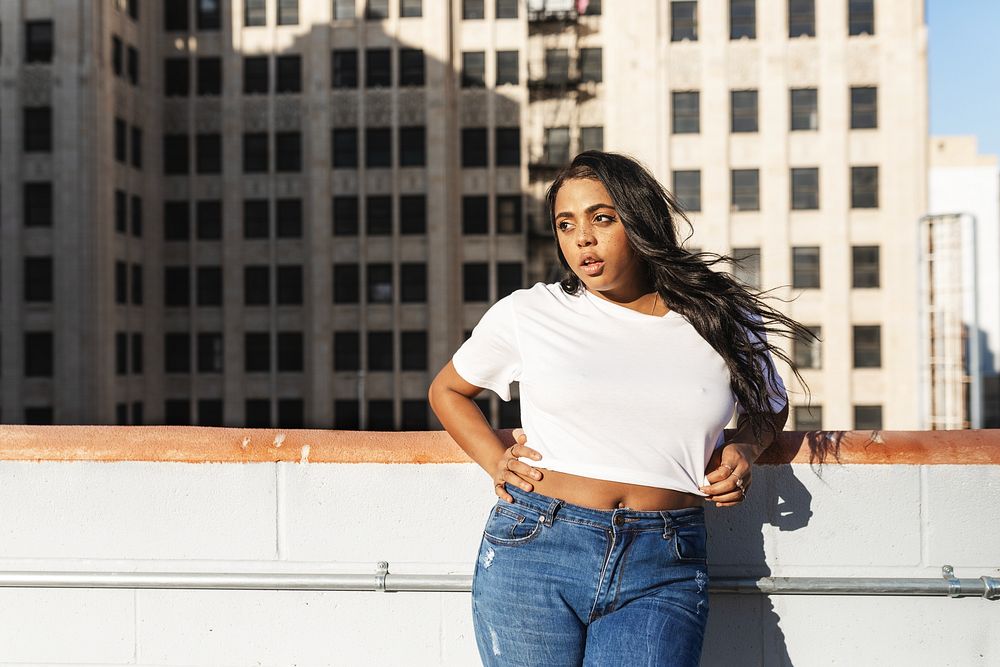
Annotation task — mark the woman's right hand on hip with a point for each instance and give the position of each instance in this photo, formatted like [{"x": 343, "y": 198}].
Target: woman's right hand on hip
[{"x": 511, "y": 471}]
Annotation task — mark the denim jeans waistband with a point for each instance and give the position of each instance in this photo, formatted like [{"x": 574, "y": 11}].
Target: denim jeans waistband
[{"x": 618, "y": 518}]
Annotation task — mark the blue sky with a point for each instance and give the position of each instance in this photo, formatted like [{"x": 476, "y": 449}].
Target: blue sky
[{"x": 964, "y": 69}]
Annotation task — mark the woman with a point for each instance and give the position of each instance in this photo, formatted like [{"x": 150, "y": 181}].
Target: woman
[{"x": 629, "y": 370}]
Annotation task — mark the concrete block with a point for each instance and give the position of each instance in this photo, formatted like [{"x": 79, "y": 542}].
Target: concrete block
[{"x": 961, "y": 517}]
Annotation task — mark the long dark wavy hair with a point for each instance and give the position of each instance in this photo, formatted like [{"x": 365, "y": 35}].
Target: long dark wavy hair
[{"x": 719, "y": 306}]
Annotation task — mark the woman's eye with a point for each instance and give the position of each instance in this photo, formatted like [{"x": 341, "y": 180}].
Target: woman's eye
[
  {"x": 560, "y": 226},
  {"x": 605, "y": 215}
]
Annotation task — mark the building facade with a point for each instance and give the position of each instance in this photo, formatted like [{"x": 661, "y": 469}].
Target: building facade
[{"x": 282, "y": 212}]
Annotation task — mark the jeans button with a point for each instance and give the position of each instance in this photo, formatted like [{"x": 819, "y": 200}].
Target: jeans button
[{"x": 619, "y": 519}]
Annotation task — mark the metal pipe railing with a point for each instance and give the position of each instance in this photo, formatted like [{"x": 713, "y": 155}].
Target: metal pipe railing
[{"x": 382, "y": 580}]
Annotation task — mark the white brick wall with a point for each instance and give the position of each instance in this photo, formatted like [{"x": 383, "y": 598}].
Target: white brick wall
[{"x": 857, "y": 520}]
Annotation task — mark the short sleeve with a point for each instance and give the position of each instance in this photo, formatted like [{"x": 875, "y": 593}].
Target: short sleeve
[
  {"x": 776, "y": 392},
  {"x": 490, "y": 358}
]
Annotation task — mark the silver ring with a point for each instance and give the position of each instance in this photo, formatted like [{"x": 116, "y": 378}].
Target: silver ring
[
  {"x": 739, "y": 483},
  {"x": 731, "y": 468}
]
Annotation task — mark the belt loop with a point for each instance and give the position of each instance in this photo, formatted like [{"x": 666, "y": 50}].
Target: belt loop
[
  {"x": 550, "y": 511},
  {"x": 668, "y": 522}
]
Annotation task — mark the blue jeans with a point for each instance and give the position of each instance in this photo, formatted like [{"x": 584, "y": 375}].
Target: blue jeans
[{"x": 557, "y": 584}]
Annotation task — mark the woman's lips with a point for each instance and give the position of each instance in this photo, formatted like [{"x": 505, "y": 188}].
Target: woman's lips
[{"x": 594, "y": 268}]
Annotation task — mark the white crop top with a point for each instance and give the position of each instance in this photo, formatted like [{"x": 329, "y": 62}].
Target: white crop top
[{"x": 606, "y": 391}]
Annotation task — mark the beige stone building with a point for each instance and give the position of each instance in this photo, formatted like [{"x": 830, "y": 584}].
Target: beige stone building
[{"x": 289, "y": 212}]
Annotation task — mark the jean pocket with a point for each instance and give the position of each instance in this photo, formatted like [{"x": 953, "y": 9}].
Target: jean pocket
[
  {"x": 690, "y": 543},
  {"x": 512, "y": 525}
]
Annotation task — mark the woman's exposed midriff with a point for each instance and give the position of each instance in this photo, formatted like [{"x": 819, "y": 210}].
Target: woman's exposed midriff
[{"x": 605, "y": 495}]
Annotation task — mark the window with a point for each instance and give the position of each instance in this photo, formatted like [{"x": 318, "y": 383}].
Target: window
[
  {"x": 593, "y": 8},
  {"x": 380, "y": 356},
  {"x": 508, "y": 146},
  {"x": 133, "y": 66},
  {"x": 346, "y": 283},
  {"x": 291, "y": 413},
  {"x": 289, "y": 285},
  {"x": 38, "y": 279},
  {"x": 258, "y": 411},
  {"x": 380, "y": 416},
  {"x": 801, "y": 18},
  {"x": 474, "y": 147},
  {"x": 255, "y": 155},
  {"x": 117, "y": 50},
  {"x": 410, "y": 8},
  {"x": 136, "y": 284},
  {"x": 343, "y": 9},
  {"x": 176, "y": 221},
  {"x": 345, "y": 148},
  {"x": 208, "y": 158},
  {"x": 379, "y": 222},
  {"x": 747, "y": 266},
  {"x": 744, "y": 110},
  {"x": 864, "y": 187},
  {"x": 133, "y": 9},
  {"x": 687, "y": 112},
  {"x": 867, "y": 417},
  {"x": 137, "y": 358},
  {"x": 121, "y": 141},
  {"x": 209, "y": 222},
  {"x": 290, "y": 358},
  {"x": 413, "y": 214},
  {"x": 254, "y": 13},
  {"x": 556, "y": 67},
  {"x": 508, "y": 71},
  {"x": 345, "y": 68},
  {"x": 590, "y": 65},
  {"x": 473, "y": 69},
  {"x": 805, "y": 267},
  {"x": 210, "y": 353},
  {"x": 175, "y": 15},
  {"x": 687, "y": 189},
  {"x": 413, "y": 282},
  {"x": 136, "y": 216},
  {"x": 509, "y": 214},
  {"x": 136, "y": 144},
  {"x": 257, "y": 352},
  {"x": 38, "y": 36},
  {"x": 506, "y": 9},
  {"x": 804, "y": 109},
  {"x": 256, "y": 219},
  {"x": 475, "y": 282},
  {"x": 745, "y": 190},
  {"x": 209, "y": 76},
  {"x": 345, "y": 216},
  {"x": 376, "y": 10},
  {"x": 209, "y": 14},
  {"x": 864, "y": 266},
  {"x": 864, "y": 107},
  {"x": 288, "y": 12},
  {"x": 742, "y": 19},
  {"x": 288, "y": 151},
  {"x": 38, "y": 129},
  {"x": 38, "y": 352},
  {"x": 288, "y": 75},
  {"x": 378, "y": 68},
  {"x": 472, "y": 9},
  {"x": 861, "y": 17},
  {"x": 413, "y": 345},
  {"x": 177, "y": 353},
  {"x": 807, "y": 418},
  {"x": 137, "y": 412},
  {"x": 412, "y": 146},
  {"x": 591, "y": 139},
  {"x": 177, "y": 412},
  {"x": 121, "y": 212},
  {"x": 210, "y": 412},
  {"x": 475, "y": 214},
  {"x": 209, "y": 285},
  {"x": 175, "y": 154},
  {"x": 121, "y": 283},
  {"x": 256, "y": 286},
  {"x": 683, "y": 20},
  {"x": 380, "y": 283},
  {"x": 867, "y": 346},
  {"x": 346, "y": 351},
  {"x": 176, "y": 286},
  {"x": 37, "y": 204},
  {"x": 556, "y": 147},
  {"x": 176, "y": 77},
  {"x": 807, "y": 352},
  {"x": 378, "y": 147},
  {"x": 411, "y": 67},
  {"x": 805, "y": 188},
  {"x": 288, "y": 213},
  {"x": 255, "y": 75},
  {"x": 508, "y": 277}
]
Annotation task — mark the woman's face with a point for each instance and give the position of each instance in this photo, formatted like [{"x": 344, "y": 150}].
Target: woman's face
[{"x": 588, "y": 225}]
